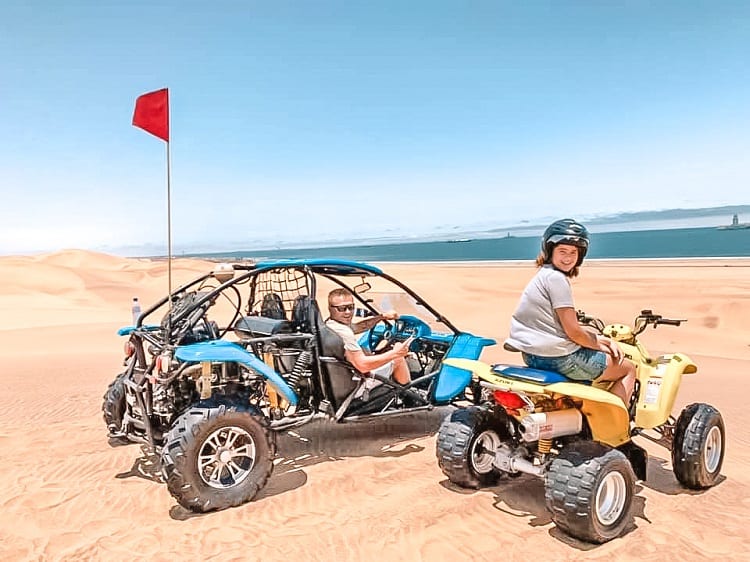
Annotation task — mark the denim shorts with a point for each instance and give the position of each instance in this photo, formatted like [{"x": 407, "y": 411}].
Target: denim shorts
[{"x": 583, "y": 365}]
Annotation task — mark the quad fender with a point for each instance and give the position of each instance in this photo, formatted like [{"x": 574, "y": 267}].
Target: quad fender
[
  {"x": 452, "y": 381},
  {"x": 221, "y": 351},
  {"x": 659, "y": 386},
  {"x": 606, "y": 414}
]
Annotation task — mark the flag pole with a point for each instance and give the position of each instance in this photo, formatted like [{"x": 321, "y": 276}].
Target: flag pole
[
  {"x": 169, "y": 236},
  {"x": 152, "y": 115}
]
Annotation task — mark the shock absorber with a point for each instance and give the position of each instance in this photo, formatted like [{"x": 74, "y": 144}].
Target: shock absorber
[
  {"x": 544, "y": 445},
  {"x": 301, "y": 366}
]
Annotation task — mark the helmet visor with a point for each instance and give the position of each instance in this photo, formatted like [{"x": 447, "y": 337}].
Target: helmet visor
[{"x": 568, "y": 239}]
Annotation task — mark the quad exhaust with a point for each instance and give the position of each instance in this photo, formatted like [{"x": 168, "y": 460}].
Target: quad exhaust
[{"x": 508, "y": 461}]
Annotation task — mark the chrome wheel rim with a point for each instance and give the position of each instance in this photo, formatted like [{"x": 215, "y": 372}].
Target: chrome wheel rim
[
  {"x": 610, "y": 498},
  {"x": 226, "y": 457},
  {"x": 712, "y": 449},
  {"x": 483, "y": 451}
]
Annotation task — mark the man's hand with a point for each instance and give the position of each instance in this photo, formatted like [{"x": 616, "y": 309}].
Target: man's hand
[
  {"x": 401, "y": 349},
  {"x": 389, "y": 315}
]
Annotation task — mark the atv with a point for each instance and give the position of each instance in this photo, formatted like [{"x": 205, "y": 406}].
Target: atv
[
  {"x": 243, "y": 352},
  {"x": 578, "y": 437}
]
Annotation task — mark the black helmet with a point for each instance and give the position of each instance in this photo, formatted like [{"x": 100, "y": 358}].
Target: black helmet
[{"x": 565, "y": 231}]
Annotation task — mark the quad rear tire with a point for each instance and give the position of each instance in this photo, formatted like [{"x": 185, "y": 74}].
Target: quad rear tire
[
  {"x": 466, "y": 445},
  {"x": 698, "y": 446},
  {"x": 589, "y": 491},
  {"x": 217, "y": 456}
]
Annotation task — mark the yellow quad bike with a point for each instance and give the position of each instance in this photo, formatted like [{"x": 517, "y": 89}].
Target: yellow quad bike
[{"x": 578, "y": 437}]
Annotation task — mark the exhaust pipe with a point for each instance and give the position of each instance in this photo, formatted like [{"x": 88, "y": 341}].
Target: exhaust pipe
[{"x": 506, "y": 461}]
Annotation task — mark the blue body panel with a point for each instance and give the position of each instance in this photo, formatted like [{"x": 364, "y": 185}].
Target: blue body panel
[
  {"x": 127, "y": 330},
  {"x": 527, "y": 374},
  {"x": 222, "y": 351},
  {"x": 451, "y": 381},
  {"x": 346, "y": 266}
]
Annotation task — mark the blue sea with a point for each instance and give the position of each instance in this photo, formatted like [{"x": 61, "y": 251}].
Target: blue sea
[{"x": 669, "y": 243}]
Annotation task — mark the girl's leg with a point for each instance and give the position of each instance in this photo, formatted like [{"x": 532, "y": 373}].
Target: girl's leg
[{"x": 623, "y": 377}]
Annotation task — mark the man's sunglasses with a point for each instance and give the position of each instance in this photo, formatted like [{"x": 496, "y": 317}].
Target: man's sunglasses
[{"x": 343, "y": 307}]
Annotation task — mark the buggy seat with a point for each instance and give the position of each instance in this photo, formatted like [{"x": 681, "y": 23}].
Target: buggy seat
[
  {"x": 259, "y": 326},
  {"x": 342, "y": 377}
]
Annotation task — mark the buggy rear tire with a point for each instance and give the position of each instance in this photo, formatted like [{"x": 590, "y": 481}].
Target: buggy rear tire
[
  {"x": 113, "y": 405},
  {"x": 698, "y": 446},
  {"x": 589, "y": 491},
  {"x": 466, "y": 445},
  {"x": 217, "y": 456}
]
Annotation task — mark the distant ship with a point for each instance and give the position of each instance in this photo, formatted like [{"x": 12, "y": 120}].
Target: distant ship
[
  {"x": 736, "y": 224},
  {"x": 460, "y": 240}
]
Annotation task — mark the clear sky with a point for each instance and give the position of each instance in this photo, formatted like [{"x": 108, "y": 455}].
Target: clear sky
[{"x": 304, "y": 121}]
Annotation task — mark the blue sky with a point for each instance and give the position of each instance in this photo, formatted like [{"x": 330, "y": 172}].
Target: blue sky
[{"x": 300, "y": 122}]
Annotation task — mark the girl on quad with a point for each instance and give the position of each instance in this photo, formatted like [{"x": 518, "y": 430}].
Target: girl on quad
[{"x": 545, "y": 328}]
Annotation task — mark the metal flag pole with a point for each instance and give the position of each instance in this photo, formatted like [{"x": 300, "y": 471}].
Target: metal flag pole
[
  {"x": 169, "y": 239},
  {"x": 152, "y": 115}
]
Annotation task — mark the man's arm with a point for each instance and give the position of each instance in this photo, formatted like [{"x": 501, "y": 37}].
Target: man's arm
[
  {"x": 367, "y": 323},
  {"x": 364, "y": 363}
]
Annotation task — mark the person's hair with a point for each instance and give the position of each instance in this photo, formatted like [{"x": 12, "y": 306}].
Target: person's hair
[
  {"x": 540, "y": 262},
  {"x": 339, "y": 292}
]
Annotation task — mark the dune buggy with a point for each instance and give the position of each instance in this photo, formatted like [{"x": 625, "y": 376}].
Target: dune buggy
[{"x": 243, "y": 351}]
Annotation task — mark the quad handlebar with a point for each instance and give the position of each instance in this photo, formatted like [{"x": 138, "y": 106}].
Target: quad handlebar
[
  {"x": 647, "y": 317},
  {"x": 642, "y": 321}
]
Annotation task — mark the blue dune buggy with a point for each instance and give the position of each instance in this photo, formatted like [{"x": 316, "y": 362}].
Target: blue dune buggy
[{"x": 215, "y": 369}]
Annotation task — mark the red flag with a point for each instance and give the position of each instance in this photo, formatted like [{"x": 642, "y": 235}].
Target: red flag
[{"x": 152, "y": 113}]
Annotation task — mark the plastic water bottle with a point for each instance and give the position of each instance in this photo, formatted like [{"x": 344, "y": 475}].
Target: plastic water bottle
[{"x": 136, "y": 310}]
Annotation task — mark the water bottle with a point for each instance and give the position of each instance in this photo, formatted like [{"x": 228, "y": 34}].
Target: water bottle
[{"x": 136, "y": 310}]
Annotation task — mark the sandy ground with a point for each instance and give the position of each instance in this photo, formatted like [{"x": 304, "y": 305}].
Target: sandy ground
[{"x": 371, "y": 491}]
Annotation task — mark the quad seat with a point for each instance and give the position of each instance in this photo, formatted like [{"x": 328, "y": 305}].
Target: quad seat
[
  {"x": 527, "y": 374},
  {"x": 536, "y": 376}
]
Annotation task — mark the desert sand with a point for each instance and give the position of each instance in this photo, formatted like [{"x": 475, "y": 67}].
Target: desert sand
[{"x": 369, "y": 491}]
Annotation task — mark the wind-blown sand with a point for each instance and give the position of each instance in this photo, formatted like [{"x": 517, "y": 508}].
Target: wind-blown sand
[{"x": 369, "y": 491}]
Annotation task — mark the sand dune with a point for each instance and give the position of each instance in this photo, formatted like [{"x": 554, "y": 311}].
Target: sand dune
[{"x": 371, "y": 491}]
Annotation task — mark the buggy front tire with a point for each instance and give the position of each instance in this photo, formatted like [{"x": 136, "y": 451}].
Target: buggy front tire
[
  {"x": 113, "y": 404},
  {"x": 217, "y": 456},
  {"x": 466, "y": 445},
  {"x": 698, "y": 446},
  {"x": 589, "y": 491}
]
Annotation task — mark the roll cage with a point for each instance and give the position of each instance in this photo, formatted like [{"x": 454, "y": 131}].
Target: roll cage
[{"x": 335, "y": 271}]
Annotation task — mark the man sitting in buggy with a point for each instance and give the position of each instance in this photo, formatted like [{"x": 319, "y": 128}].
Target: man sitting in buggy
[{"x": 390, "y": 363}]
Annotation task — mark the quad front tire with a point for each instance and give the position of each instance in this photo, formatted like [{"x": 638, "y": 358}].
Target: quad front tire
[
  {"x": 698, "y": 446},
  {"x": 589, "y": 491},
  {"x": 466, "y": 445},
  {"x": 217, "y": 456}
]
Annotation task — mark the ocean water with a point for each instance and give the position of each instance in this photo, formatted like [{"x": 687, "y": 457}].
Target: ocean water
[{"x": 669, "y": 243}]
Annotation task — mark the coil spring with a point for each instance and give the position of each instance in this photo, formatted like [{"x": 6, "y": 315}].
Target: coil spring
[
  {"x": 300, "y": 368},
  {"x": 544, "y": 445}
]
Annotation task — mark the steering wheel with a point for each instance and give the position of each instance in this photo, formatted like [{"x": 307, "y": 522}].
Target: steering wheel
[{"x": 376, "y": 338}]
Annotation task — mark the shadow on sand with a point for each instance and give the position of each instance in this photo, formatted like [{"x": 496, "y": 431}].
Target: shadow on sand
[
  {"x": 316, "y": 442},
  {"x": 522, "y": 497},
  {"x": 326, "y": 441}
]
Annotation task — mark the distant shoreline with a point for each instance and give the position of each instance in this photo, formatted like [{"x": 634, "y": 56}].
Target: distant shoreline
[{"x": 700, "y": 242}]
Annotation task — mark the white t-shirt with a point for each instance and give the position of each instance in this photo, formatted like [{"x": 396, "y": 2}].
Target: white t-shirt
[
  {"x": 534, "y": 327},
  {"x": 351, "y": 344},
  {"x": 346, "y": 333}
]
